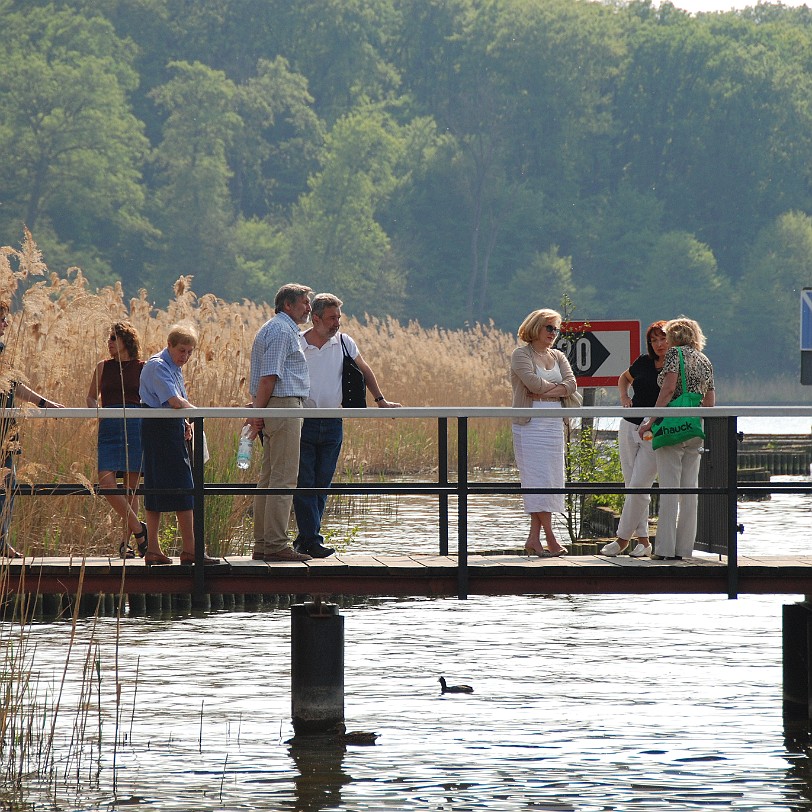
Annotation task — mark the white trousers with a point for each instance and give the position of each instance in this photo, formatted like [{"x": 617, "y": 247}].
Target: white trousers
[
  {"x": 678, "y": 467},
  {"x": 639, "y": 466}
]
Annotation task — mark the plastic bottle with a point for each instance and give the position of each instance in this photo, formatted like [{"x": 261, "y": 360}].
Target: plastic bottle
[{"x": 245, "y": 448}]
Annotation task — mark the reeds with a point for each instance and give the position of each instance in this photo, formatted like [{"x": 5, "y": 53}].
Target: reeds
[{"x": 58, "y": 334}]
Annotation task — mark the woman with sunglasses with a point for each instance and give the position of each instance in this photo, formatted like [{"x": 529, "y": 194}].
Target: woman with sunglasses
[
  {"x": 540, "y": 377},
  {"x": 637, "y": 460},
  {"x": 115, "y": 382}
]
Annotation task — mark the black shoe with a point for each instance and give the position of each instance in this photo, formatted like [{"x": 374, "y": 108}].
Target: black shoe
[{"x": 314, "y": 549}]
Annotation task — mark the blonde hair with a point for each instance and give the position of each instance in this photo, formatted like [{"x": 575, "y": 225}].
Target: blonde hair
[
  {"x": 182, "y": 334},
  {"x": 685, "y": 332},
  {"x": 530, "y": 328}
]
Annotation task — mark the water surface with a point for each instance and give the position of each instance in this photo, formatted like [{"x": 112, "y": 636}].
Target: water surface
[{"x": 580, "y": 703}]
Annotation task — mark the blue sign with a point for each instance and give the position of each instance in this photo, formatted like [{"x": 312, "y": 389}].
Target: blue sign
[{"x": 806, "y": 319}]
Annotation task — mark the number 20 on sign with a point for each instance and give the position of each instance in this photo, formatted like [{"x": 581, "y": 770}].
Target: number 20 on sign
[{"x": 599, "y": 351}]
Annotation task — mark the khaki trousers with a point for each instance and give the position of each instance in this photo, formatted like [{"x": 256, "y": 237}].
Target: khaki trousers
[{"x": 280, "y": 469}]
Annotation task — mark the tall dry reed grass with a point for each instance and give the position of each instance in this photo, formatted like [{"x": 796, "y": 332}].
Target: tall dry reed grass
[{"x": 58, "y": 333}]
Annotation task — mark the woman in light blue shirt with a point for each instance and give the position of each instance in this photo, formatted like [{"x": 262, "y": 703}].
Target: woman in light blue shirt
[{"x": 164, "y": 443}]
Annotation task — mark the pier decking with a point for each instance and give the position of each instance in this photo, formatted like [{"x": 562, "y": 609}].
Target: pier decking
[{"x": 415, "y": 575}]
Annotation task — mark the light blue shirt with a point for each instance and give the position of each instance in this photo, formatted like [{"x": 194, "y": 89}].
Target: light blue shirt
[
  {"x": 276, "y": 351},
  {"x": 161, "y": 379}
]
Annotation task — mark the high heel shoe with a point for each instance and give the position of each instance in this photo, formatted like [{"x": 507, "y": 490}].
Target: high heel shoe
[
  {"x": 151, "y": 559},
  {"x": 548, "y": 553},
  {"x": 143, "y": 544},
  {"x": 531, "y": 550}
]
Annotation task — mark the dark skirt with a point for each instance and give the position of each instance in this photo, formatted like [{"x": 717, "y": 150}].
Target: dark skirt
[
  {"x": 166, "y": 465},
  {"x": 119, "y": 444}
]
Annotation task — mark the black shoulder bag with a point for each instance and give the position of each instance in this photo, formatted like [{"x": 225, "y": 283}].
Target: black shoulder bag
[{"x": 353, "y": 385}]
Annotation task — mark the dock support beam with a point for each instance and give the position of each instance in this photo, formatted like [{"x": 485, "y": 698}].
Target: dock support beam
[
  {"x": 316, "y": 667},
  {"x": 796, "y": 660}
]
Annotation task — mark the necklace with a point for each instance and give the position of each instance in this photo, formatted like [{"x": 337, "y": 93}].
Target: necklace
[{"x": 545, "y": 356}]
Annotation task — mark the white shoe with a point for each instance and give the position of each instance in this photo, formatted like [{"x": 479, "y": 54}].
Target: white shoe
[
  {"x": 612, "y": 549},
  {"x": 640, "y": 551}
]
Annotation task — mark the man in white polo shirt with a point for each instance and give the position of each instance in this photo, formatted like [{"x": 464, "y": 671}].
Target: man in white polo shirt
[{"x": 321, "y": 438}]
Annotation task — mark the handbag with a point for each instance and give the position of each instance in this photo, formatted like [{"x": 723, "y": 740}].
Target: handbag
[
  {"x": 673, "y": 430},
  {"x": 353, "y": 385},
  {"x": 573, "y": 401}
]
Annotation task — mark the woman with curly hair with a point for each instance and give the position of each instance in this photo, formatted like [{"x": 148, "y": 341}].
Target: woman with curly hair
[
  {"x": 678, "y": 465},
  {"x": 115, "y": 383}
]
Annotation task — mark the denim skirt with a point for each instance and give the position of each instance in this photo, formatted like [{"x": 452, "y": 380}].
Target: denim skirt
[{"x": 119, "y": 444}]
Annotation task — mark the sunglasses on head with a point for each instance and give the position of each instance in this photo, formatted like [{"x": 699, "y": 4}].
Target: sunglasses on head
[{"x": 550, "y": 329}]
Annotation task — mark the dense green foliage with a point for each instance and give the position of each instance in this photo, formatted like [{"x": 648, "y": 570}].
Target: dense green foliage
[{"x": 449, "y": 161}]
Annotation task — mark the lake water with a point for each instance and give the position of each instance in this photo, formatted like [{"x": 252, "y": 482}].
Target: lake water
[{"x": 580, "y": 703}]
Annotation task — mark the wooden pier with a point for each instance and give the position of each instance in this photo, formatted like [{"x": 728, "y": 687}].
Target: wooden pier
[{"x": 413, "y": 575}]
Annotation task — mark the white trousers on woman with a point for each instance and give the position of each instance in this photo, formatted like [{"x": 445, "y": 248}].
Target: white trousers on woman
[
  {"x": 678, "y": 467},
  {"x": 639, "y": 466}
]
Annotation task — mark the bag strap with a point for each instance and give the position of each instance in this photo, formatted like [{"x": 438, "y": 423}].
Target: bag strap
[
  {"x": 343, "y": 345},
  {"x": 682, "y": 372}
]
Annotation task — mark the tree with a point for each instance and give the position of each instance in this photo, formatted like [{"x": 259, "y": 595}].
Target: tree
[
  {"x": 279, "y": 145},
  {"x": 777, "y": 268},
  {"x": 549, "y": 279},
  {"x": 684, "y": 279},
  {"x": 70, "y": 149},
  {"x": 192, "y": 200},
  {"x": 335, "y": 241}
]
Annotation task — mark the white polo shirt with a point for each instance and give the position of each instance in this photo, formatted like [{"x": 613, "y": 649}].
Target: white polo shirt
[{"x": 325, "y": 365}]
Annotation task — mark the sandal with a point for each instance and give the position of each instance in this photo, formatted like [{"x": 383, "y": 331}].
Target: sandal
[
  {"x": 151, "y": 559},
  {"x": 187, "y": 559},
  {"x": 125, "y": 551},
  {"x": 143, "y": 544}
]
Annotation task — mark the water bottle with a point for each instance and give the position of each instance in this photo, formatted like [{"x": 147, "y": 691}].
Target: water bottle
[{"x": 245, "y": 448}]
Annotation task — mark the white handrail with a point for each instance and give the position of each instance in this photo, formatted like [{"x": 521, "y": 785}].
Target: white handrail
[{"x": 241, "y": 412}]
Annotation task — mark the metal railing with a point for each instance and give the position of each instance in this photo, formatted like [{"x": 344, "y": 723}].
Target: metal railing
[{"x": 721, "y": 441}]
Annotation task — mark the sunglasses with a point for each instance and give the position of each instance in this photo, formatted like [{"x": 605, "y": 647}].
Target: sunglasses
[
  {"x": 113, "y": 337},
  {"x": 551, "y": 330}
]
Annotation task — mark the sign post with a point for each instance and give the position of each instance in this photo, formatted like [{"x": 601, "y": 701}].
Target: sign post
[{"x": 599, "y": 352}]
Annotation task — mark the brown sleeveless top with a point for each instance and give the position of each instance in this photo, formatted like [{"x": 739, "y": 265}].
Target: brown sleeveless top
[{"x": 114, "y": 391}]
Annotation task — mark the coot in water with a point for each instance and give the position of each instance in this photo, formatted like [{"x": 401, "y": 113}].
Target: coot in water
[{"x": 454, "y": 689}]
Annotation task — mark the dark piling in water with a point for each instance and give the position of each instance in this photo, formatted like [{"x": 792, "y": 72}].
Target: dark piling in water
[{"x": 316, "y": 667}]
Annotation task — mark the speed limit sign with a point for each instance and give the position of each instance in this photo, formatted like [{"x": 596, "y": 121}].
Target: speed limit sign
[{"x": 599, "y": 351}]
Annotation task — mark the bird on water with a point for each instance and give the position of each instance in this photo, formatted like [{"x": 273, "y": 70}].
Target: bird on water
[{"x": 454, "y": 689}]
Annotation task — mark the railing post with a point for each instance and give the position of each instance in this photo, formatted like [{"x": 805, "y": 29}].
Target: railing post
[
  {"x": 462, "y": 508},
  {"x": 732, "y": 508},
  {"x": 442, "y": 480},
  {"x": 198, "y": 475}
]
